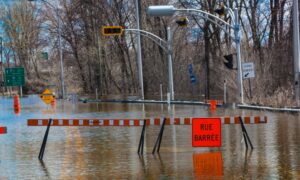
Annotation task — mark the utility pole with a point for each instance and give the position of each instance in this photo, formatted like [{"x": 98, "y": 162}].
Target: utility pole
[{"x": 60, "y": 53}]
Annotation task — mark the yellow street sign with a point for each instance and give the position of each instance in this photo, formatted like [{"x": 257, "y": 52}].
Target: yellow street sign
[
  {"x": 47, "y": 96},
  {"x": 112, "y": 30}
]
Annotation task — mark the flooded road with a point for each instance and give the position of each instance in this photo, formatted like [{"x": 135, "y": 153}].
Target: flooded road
[{"x": 110, "y": 152}]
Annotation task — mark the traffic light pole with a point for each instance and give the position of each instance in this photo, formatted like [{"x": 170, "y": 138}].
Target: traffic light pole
[
  {"x": 170, "y": 64},
  {"x": 238, "y": 54}
]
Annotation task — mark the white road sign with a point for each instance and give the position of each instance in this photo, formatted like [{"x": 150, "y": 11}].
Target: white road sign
[{"x": 248, "y": 70}]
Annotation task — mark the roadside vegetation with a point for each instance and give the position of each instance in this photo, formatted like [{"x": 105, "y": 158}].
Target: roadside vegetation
[{"x": 108, "y": 63}]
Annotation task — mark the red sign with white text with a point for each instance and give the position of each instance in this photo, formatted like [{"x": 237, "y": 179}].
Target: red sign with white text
[{"x": 206, "y": 132}]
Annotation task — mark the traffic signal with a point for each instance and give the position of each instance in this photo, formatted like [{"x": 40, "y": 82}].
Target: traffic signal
[
  {"x": 112, "y": 30},
  {"x": 183, "y": 21},
  {"x": 228, "y": 61},
  {"x": 220, "y": 11}
]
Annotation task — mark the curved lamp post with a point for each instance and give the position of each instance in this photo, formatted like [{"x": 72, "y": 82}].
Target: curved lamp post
[
  {"x": 170, "y": 10},
  {"x": 166, "y": 46}
]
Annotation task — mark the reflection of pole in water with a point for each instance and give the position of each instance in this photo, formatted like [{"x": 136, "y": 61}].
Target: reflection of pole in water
[
  {"x": 143, "y": 165},
  {"x": 246, "y": 160},
  {"x": 162, "y": 165},
  {"x": 171, "y": 109},
  {"x": 143, "y": 110},
  {"x": 45, "y": 169},
  {"x": 174, "y": 139}
]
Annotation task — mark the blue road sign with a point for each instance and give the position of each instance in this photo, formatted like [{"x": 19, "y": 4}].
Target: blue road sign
[{"x": 192, "y": 76}]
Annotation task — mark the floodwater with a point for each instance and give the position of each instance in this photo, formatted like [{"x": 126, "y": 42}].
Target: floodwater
[{"x": 111, "y": 152}]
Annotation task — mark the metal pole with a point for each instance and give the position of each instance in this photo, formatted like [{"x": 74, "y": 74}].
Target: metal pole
[
  {"x": 60, "y": 53},
  {"x": 161, "y": 92},
  {"x": 139, "y": 53},
  {"x": 1, "y": 58},
  {"x": 225, "y": 92},
  {"x": 296, "y": 49},
  {"x": 238, "y": 54},
  {"x": 170, "y": 67},
  {"x": 21, "y": 91},
  {"x": 100, "y": 64},
  {"x": 96, "y": 93}
]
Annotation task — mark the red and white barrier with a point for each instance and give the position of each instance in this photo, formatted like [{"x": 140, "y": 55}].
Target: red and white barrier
[{"x": 140, "y": 122}]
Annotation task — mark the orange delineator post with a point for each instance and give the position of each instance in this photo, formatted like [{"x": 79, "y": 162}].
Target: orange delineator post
[
  {"x": 213, "y": 105},
  {"x": 17, "y": 105},
  {"x": 3, "y": 130}
]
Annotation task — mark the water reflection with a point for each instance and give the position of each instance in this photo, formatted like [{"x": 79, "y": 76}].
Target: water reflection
[
  {"x": 208, "y": 165},
  {"x": 248, "y": 154},
  {"x": 44, "y": 169}
]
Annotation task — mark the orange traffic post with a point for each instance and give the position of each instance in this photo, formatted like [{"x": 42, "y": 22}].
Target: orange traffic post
[
  {"x": 3, "y": 130},
  {"x": 17, "y": 105},
  {"x": 213, "y": 105}
]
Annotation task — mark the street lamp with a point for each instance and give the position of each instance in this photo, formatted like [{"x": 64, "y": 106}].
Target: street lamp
[
  {"x": 59, "y": 44},
  {"x": 170, "y": 10}
]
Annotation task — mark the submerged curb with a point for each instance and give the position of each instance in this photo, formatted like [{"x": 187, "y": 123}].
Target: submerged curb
[
  {"x": 233, "y": 105},
  {"x": 245, "y": 106}
]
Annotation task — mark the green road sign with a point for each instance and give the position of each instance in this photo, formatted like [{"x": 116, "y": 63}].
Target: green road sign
[
  {"x": 43, "y": 55},
  {"x": 14, "y": 76}
]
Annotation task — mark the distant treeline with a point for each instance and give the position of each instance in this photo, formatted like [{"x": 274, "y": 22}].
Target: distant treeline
[{"x": 109, "y": 63}]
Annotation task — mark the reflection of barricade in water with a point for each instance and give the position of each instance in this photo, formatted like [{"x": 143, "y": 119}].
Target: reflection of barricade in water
[
  {"x": 73, "y": 98},
  {"x": 139, "y": 122},
  {"x": 208, "y": 165}
]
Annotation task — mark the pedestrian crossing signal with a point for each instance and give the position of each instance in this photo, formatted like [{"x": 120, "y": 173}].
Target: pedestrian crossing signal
[{"x": 112, "y": 30}]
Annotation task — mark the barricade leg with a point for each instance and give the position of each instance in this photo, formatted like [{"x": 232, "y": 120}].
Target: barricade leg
[
  {"x": 141, "y": 144},
  {"x": 245, "y": 134},
  {"x": 159, "y": 138},
  {"x": 42, "y": 150}
]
